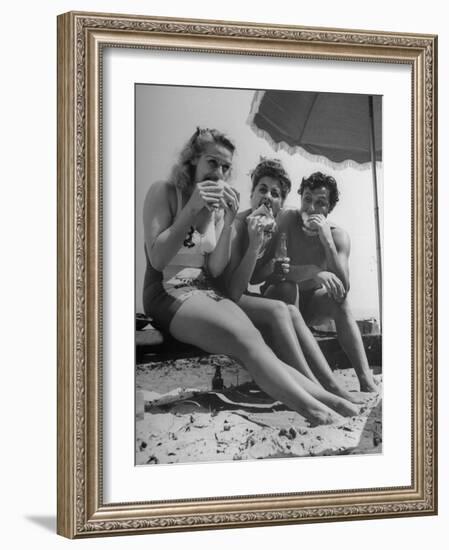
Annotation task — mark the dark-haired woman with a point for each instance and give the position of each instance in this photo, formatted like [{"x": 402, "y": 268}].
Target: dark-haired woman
[
  {"x": 282, "y": 325},
  {"x": 318, "y": 278}
]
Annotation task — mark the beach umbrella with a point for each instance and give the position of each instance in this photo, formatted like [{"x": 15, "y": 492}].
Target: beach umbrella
[{"x": 335, "y": 128}]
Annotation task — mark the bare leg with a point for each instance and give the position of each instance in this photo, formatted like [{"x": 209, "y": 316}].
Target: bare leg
[
  {"x": 322, "y": 306},
  {"x": 222, "y": 327},
  {"x": 282, "y": 337},
  {"x": 316, "y": 358},
  {"x": 273, "y": 319},
  {"x": 286, "y": 291}
]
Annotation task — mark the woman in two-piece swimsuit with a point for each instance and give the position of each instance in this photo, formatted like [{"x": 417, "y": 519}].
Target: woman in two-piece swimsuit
[
  {"x": 282, "y": 326},
  {"x": 178, "y": 292}
]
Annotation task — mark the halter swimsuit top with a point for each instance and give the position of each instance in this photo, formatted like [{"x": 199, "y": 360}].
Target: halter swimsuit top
[{"x": 192, "y": 252}]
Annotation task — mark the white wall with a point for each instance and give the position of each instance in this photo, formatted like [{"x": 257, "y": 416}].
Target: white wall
[{"x": 28, "y": 274}]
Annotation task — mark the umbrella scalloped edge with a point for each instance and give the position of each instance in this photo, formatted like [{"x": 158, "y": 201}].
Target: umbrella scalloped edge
[{"x": 297, "y": 150}]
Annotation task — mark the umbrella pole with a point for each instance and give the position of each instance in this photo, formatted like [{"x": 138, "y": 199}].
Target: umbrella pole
[{"x": 376, "y": 207}]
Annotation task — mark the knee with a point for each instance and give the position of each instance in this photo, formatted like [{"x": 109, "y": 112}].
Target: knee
[
  {"x": 289, "y": 291},
  {"x": 285, "y": 291},
  {"x": 295, "y": 314},
  {"x": 279, "y": 312}
]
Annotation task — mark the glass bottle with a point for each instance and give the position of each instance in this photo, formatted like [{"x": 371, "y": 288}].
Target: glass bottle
[
  {"x": 281, "y": 255},
  {"x": 217, "y": 380}
]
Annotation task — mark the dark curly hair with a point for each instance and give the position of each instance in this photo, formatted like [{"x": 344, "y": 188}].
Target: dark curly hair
[
  {"x": 317, "y": 180},
  {"x": 274, "y": 169}
]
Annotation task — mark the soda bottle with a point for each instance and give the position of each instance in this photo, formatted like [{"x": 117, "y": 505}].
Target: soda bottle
[
  {"x": 217, "y": 380},
  {"x": 281, "y": 255}
]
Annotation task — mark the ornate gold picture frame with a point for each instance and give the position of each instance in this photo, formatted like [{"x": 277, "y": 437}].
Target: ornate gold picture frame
[{"x": 83, "y": 510}]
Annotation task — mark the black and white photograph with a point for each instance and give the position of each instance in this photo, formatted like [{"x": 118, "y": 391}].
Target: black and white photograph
[{"x": 258, "y": 282}]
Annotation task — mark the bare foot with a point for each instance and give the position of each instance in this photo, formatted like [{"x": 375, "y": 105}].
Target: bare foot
[
  {"x": 354, "y": 398},
  {"x": 323, "y": 418},
  {"x": 347, "y": 409},
  {"x": 360, "y": 398},
  {"x": 368, "y": 386}
]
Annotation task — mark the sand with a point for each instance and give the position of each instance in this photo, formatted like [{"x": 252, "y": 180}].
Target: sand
[{"x": 181, "y": 424}]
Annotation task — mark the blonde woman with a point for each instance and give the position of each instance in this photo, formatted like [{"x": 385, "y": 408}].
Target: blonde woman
[{"x": 188, "y": 224}]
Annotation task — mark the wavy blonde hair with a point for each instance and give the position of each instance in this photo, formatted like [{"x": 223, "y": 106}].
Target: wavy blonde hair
[{"x": 183, "y": 171}]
